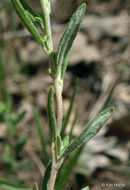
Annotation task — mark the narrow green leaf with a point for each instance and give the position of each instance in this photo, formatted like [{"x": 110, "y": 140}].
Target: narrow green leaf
[
  {"x": 65, "y": 63},
  {"x": 8, "y": 116},
  {"x": 46, "y": 177},
  {"x": 20, "y": 117},
  {"x": 35, "y": 17},
  {"x": 8, "y": 111},
  {"x": 66, "y": 141},
  {"x": 22, "y": 10},
  {"x": 73, "y": 124},
  {"x": 41, "y": 136},
  {"x": 59, "y": 145},
  {"x": 90, "y": 131},
  {"x": 66, "y": 119},
  {"x": 7, "y": 185},
  {"x": 68, "y": 38},
  {"x": 28, "y": 8},
  {"x": 2, "y": 110},
  {"x": 109, "y": 97},
  {"x": 51, "y": 114},
  {"x": 39, "y": 19},
  {"x": 64, "y": 176},
  {"x": 53, "y": 65}
]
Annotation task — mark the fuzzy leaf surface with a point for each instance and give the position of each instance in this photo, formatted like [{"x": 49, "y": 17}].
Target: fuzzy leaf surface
[
  {"x": 68, "y": 38},
  {"x": 90, "y": 131},
  {"x": 22, "y": 10},
  {"x": 51, "y": 114}
]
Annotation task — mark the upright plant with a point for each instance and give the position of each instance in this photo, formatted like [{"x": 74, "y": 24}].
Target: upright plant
[{"x": 61, "y": 145}]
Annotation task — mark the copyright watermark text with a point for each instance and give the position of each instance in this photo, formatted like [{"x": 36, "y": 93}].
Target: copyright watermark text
[{"x": 117, "y": 185}]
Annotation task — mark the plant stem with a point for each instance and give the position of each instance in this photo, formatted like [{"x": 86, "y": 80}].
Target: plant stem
[
  {"x": 56, "y": 164},
  {"x": 54, "y": 169},
  {"x": 58, "y": 91},
  {"x": 46, "y": 14},
  {"x": 57, "y": 82}
]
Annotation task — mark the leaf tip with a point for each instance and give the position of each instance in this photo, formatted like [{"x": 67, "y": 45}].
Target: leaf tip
[
  {"x": 111, "y": 110},
  {"x": 83, "y": 6},
  {"x": 51, "y": 91}
]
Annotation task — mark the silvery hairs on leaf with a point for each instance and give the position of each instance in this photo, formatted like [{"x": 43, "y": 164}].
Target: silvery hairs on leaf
[
  {"x": 68, "y": 38},
  {"x": 90, "y": 131}
]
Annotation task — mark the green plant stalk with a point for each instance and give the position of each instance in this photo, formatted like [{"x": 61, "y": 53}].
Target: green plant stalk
[
  {"x": 54, "y": 169},
  {"x": 58, "y": 92},
  {"x": 46, "y": 13},
  {"x": 56, "y": 164},
  {"x": 58, "y": 85}
]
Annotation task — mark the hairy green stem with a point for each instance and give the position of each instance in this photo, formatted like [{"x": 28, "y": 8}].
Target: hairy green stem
[
  {"x": 46, "y": 14},
  {"x": 56, "y": 164},
  {"x": 54, "y": 169},
  {"x": 58, "y": 91}
]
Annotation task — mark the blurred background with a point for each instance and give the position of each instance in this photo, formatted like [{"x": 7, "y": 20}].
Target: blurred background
[{"x": 100, "y": 58}]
